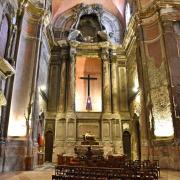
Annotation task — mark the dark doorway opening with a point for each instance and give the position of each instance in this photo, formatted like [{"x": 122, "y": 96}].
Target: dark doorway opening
[
  {"x": 48, "y": 146},
  {"x": 127, "y": 144},
  {"x": 138, "y": 140}
]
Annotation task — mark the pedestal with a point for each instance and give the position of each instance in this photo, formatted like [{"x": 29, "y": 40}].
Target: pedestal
[
  {"x": 28, "y": 163},
  {"x": 40, "y": 158}
]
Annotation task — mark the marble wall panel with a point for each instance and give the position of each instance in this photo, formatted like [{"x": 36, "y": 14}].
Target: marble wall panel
[
  {"x": 91, "y": 127},
  {"x": 61, "y": 130},
  {"x": 106, "y": 130},
  {"x": 122, "y": 81},
  {"x": 53, "y": 90},
  {"x": 115, "y": 129},
  {"x": 71, "y": 129}
]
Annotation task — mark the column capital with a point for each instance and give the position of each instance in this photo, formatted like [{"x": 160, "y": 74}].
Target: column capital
[
  {"x": 113, "y": 56},
  {"x": 35, "y": 11},
  {"x": 72, "y": 53},
  {"x": 105, "y": 54},
  {"x": 62, "y": 43},
  {"x": 73, "y": 44},
  {"x": 103, "y": 45}
]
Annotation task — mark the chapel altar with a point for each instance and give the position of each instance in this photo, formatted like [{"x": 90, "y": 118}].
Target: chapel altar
[
  {"x": 87, "y": 79},
  {"x": 89, "y": 148}
]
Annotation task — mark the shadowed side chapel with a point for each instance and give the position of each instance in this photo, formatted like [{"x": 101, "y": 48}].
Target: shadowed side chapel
[{"x": 89, "y": 79}]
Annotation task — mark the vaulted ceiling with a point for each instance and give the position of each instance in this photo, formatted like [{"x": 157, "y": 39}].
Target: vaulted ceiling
[{"x": 116, "y": 7}]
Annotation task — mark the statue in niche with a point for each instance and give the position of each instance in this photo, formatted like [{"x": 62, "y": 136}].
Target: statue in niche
[
  {"x": 103, "y": 35},
  {"x": 75, "y": 35},
  {"x": 87, "y": 26}
]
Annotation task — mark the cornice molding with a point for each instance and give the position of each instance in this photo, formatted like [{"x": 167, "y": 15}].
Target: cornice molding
[
  {"x": 168, "y": 10},
  {"x": 6, "y": 70},
  {"x": 147, "y": 12}
]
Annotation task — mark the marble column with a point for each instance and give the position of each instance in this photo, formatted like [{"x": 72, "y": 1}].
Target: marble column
[
  {"x": 172, "y": 46},
  {"x": 115, "y": 105},
  {"x": 26, "y": 66},
  {"x": 106, "y": 81},
  {"x": 71, "y": 81},
  {"x": 143, "y": 118},
  {"x": 70, "y": 111},
  {"x": 62, "y": 94},
  {"x": 9, "y": 82}
]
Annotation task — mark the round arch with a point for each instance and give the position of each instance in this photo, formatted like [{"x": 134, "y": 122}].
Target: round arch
[{"x": 70, "y": 19}]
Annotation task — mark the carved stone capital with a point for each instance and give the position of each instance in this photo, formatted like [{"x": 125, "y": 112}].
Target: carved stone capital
[
  {"x": 148, "y": 10},
  {"x": 62, "y": 43},
  {"x": 72, "y": 52},
  {"x": 105, "y": 54},
  {"x": 74, "y": 43},
  {"x": 113, "y": 56},
  {"x": 104, "y": 44},
  {"x": 33, "y": 12}
]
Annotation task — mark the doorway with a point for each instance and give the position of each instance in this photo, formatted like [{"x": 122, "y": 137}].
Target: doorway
[
  {"x": 48, "y": 146},
  {"x": 127, "y": 144}
]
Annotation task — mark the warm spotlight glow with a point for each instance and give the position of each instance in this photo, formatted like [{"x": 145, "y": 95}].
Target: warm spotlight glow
[
  {"x": 137, "y": 99},
  {"x": 127, "y": 14},
  {"x": 97, "y": 103},
  {"x": 163, "y": 128},
  {"x": 17, "y": 126},
  {"x": 87, "y": 67},
  {"x": 136, "y": 85},
  {"x": 42, "y": 87}
]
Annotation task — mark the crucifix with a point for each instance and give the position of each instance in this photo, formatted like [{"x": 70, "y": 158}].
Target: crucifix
[{"x": 88, "y": 103}]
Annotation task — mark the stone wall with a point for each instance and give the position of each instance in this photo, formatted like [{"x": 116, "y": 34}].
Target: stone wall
[
  {"x": 8, "y": 10},
  {"x": 156, "y": 91}
]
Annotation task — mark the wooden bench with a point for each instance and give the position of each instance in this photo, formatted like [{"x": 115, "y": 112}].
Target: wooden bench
[{"x": 110, "y": 169}]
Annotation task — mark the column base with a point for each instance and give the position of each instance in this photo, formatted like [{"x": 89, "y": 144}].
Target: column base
[{"x": 16, "y": 158}]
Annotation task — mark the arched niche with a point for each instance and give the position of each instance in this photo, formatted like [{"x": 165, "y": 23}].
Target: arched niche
[{"x": 70, "y": 19}]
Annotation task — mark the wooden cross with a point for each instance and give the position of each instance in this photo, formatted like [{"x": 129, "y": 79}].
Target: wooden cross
[
  {"x": 88, "y": 103},
  {"x": 88, "y": 78}
]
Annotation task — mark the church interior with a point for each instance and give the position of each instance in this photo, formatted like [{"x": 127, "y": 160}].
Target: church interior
[{"x": 90, "y": 83}]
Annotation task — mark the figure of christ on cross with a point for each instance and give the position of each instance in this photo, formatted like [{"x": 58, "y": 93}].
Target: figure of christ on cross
[{"x": 88, "y": 102}]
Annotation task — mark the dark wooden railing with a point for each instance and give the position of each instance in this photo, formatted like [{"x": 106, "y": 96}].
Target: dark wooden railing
[{"x": 111, "y": 169}]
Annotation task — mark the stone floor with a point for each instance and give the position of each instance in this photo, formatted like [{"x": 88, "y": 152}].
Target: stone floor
[{"x": 45, "y": 173}]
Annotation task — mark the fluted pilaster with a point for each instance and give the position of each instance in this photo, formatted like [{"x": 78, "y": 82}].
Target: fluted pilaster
[
  {"x": 115, "y": 105},
  {"x": 106, "y": 81},
  {"x": 62, "y": 94}
]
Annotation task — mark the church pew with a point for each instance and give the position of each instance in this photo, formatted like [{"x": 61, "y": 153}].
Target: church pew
[
  {"x": 88, "y": 172},
  {"x": 73, "y": 177},
  {"x": 113, "y": 167},
  {"x": 101, "y": 172}
]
